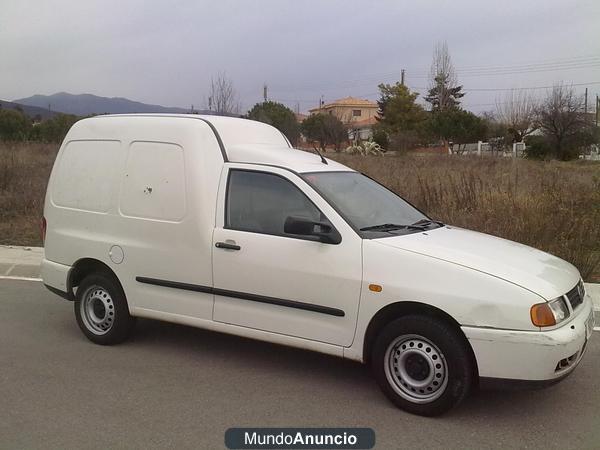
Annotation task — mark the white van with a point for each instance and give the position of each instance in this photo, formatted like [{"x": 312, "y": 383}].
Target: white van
[{"x": 218, "y": 223}]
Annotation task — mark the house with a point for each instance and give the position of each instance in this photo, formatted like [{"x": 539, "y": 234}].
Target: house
[
  {"x": 349, "y": 109},
  {"x": 300, "y": 117},
  {"x": 356, "y": 113},
  {"x": 361, "y": 130}
]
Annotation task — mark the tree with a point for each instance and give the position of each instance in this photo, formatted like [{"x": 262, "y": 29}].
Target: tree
[
  {"x": 399, "y": 116},
  {"x": 278, "y": 115},
  {"x": 54, "y": 129},
  {"x": 457, "y": 125},
  {"x": 517, "y": 111},
  {"x": 223, "y": 99},
  {"x": 14, "y": 125},
  {"x": 325, "y": 129},
  {"x": 444, "y": 92},
  {"x": 562, "y": 122},
  {"x": 398, "y": 110}
]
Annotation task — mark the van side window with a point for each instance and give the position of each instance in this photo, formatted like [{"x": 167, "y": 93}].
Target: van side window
[{"x": 260, "y": 202}]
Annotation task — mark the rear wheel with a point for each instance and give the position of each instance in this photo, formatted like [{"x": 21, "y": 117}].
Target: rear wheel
[
  {"x": 422, "y": 365},
  {"x": 101, "y": 310}
]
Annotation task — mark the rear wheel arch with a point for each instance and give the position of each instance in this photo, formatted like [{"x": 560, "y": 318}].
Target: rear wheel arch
[
  {"x": 87, "y": 266},
  {"x": 393, "y": 311}
]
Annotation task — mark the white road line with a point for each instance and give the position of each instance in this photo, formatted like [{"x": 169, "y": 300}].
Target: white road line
[
  {"x": 10, "y": 270},
  {"x": 10, "y": 277}
]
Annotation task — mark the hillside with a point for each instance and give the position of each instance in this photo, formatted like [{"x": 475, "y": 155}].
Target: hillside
[
  {"x": 31, "y": 111},
  {"x": 86, "y": 104}
]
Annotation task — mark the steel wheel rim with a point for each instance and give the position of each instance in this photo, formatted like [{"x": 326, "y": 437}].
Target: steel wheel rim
[
  {"x": 97, "y": 310},
  {"x": 416, "y": 368}
]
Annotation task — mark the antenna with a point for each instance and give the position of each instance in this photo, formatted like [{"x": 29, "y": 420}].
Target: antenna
[{"x": 323, "y": 160}]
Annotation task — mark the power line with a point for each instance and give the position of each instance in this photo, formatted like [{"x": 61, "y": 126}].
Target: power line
[
  {"x": 574, "y": 63},
  {"x": 570, "y": 62},
  {"x": 514, "y": 72},
  {"x": 574, "y": 59},
  {"x": 528, "y": 88},
  {"x": 420, "y": 88}
]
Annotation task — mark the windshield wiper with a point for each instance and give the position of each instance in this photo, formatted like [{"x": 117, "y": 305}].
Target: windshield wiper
[
  {"x": 390, "y": 227},
  {"x": 426, "y": 222}
]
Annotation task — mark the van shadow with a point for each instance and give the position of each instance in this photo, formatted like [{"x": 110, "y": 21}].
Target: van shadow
[
  {"x": 190, "y": 342},
  {"x": 307, "y": 366}
]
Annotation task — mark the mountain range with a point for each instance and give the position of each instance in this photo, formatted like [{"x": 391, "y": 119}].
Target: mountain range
[
  {"x": 31, "y": 111},
  {"x": 87, "y": 104}
]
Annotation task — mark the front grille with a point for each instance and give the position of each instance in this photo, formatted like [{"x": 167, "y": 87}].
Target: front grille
[{"x": 576, "y": 294}]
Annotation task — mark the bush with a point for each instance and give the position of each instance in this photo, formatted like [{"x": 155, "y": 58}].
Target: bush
[
  {"x": 14, "y": 125},
  {"x": 55, "y": 129},
  {"x": 405, "y": 140},
  {"x": 537, "y": 147},
  {"x": 325, "y": 129},
  {"x": 381, "y": 137}
]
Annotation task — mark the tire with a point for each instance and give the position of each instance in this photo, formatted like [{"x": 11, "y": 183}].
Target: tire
[
  {"x": 422, "y": 365},
  {"x": 101, "y": 310}
]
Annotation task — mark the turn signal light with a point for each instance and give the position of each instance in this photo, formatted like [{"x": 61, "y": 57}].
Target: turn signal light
[
  {"x": 542, "y": 315},
  {"x": 375, "y": 288}
]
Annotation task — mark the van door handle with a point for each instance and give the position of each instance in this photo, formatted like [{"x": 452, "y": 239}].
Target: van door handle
[{"x": 228, "y": 246}]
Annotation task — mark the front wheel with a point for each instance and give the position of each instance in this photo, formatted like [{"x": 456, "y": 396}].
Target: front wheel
[{"x": 422, "y": 365}]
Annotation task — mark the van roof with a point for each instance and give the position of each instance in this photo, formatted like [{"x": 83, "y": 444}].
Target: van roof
[{"x": 250, "y": 141}]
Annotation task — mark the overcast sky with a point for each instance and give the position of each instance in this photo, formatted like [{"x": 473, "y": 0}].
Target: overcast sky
[{"x": 166, "y": 52}]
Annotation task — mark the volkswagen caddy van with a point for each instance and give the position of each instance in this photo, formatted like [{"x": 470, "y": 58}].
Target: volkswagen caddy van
[{"x": 218, "y": 223}]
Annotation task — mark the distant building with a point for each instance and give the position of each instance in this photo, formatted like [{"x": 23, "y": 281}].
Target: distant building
[
  {"x": 300, "y": 117},
  {"x": 356, "y": 113},
  {"x": 349, "y": 109}
]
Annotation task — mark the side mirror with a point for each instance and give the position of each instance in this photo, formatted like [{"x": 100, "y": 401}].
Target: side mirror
[{"x": 306, "y": 227}]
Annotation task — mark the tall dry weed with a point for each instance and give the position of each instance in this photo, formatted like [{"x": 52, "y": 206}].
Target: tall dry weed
[
  {"x": 24, "y": 172},
  {"x": 553, "y": 206}
]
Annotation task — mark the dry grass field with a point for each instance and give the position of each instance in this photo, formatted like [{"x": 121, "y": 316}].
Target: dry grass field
[
  {"x": 24, "y": 171},
  {"x": 554, "y": 206}
]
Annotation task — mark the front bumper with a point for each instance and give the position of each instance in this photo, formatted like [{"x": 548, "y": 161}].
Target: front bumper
[{"x": 533, "y": 356}]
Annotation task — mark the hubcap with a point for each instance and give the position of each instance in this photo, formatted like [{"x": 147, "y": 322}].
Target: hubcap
[
  {"x": 97, "y": 310},
  {"x": 416, "y": 368}
]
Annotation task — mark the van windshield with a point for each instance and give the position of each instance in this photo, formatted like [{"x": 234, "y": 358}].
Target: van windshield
[{"x": 368, "y": 206}]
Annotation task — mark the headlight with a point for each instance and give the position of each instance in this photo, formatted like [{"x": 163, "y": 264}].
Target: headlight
[{"x": 550, "y": 313}]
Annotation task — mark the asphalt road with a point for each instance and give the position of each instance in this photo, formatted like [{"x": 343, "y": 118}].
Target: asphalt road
[{"x": 179, "y": 387}]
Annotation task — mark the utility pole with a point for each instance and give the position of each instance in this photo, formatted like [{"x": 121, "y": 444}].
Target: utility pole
[
  {"x": 597, "y": 108},
  {"x": 402, "y": 77},
  {"x": 265, "y": 92},
  {"x": 585, "y": 109}
]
